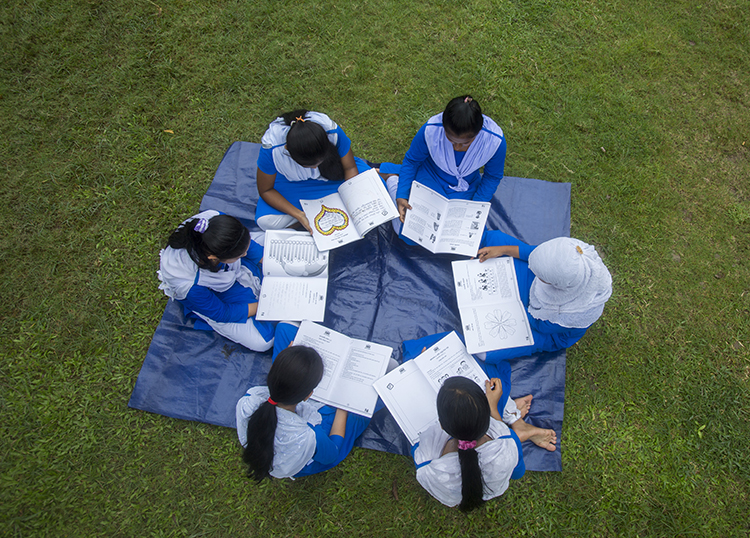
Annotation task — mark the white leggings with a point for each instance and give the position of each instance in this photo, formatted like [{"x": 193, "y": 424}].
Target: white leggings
[
  {"x": 243, "y": 333},
  {"x": 275, "y": 222}
]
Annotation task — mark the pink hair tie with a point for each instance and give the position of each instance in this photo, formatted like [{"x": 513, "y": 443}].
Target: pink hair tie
[
  {"x": 468, "y": 99},
  {"x": 271, "y": 401},
  {"x": 466, "y": 445}
]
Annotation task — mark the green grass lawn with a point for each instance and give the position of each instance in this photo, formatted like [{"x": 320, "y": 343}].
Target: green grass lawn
[{"x": 114, "y": 116}]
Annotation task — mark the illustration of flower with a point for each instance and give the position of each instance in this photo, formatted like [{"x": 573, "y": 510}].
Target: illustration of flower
[{"x": 500, "y": 324}]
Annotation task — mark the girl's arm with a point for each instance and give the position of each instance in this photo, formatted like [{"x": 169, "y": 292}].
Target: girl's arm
[
  {"x": 327, "y": 446},
  {"x": 350, "y": 165},
  {"x": 204, "y": 301},
  {"x": 494, "y": 390},
  {"x": 414, "y": 157},
  {"x": 494, "y": 171},
  {"x": 274, "y": 198},
  {"x": 486, "y": 253}
]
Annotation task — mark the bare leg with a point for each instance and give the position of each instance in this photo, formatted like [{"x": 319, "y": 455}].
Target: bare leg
[
  {"x": 523, "y": 404},
  {"x": 543, "y": 438}
]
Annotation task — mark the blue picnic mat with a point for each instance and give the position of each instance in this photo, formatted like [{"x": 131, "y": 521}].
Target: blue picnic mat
[{"x": 380, "y": 289}]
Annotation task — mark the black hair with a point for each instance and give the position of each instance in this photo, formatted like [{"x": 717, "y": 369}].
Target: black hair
[
  {"x": 294, "y": 374},
  {"x": 308, "y": 144},
  {"x": 464, "y": 414},
  {"x": 225, "y": 237},
  {"x": 463, "y": 115}
]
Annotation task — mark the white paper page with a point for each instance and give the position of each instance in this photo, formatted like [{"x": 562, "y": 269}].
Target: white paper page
[
  {"x": 492, "y": 314},
  {"x": 423, "y": 220},
  {"x": 409, "y": 398},
  {"x": 293, "y": 299},
  {"x": 449, "y": 358},
  {"x": 332, "y": 347},
  {"x": 489, "y": 282},
  {"x": 353, "y": 391},
  {"x": 462, "y": 228},
  {"x": 331, "y": 224},
  {"x": 292, "y": 253},
  {"x": 368, "y": 201},
  {"x": 502, "y": 326}
]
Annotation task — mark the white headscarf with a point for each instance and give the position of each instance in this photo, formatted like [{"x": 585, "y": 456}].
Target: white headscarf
[
  {"x": 294, "y": 442},
  {"x": 481, "y": 150},
  {"x": 576, "y": 283},
  {"x": 275, "y": 139}
]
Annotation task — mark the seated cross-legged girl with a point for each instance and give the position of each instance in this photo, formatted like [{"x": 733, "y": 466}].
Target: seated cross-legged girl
[{"x": 211, "y": 267}]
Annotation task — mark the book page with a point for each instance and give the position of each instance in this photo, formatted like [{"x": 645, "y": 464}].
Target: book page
[
  {"x": 332, "y": 227},
  {"x": 351, "y": 366},
  {"x": 423, "y": 220},
  {"x": 293, "y": 299},
  {"x": 295, "y": 281},
  {"x": 410, "y": 399},
  {"x": 292, "y": 253},
  {"x": 492, "y": 314},
  {"x": 449, "y": 358},
  {"x": 461, "y": 231},
  {"x": 367, "y": 201},
  {"x": 489, "y": 282}
]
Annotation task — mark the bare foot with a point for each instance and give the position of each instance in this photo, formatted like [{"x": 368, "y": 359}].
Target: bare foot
[
  {"x": 527, "y": 432},
  {"x": 523, "y": 404},
  {"x": 545, "y": 439}
]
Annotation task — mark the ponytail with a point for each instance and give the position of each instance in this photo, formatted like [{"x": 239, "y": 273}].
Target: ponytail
[
  {"x": 308, "y": 144},
  {"x": 222, "y": 236},
  {"x": 294, "y": 374},
  {"x": 464, "y": 414}
]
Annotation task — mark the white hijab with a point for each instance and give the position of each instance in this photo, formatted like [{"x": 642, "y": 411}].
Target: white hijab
[
  {"x": 275, "y": 140},
  {"x": 576, "y": 283},
  {"x": 294, "y": 441},
  {"x": 481, "y": 150}
]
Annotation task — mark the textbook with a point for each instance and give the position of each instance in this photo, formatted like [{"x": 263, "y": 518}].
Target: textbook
[
  {"x": 444, "y": 226},
  {"x": 361, "y": 204},
  {"x": 410, "y": 390},
  {"x": 351, "y": 366},
  {"x": 492, "y": 314},
  {"x": 295, "y": 278}
]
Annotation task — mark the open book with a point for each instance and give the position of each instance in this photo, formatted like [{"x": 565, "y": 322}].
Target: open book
[
  {"x": 492, "y": 314},
  {"x": 361, "y": 204},
  {"x": 410, "y": 390},
  {"x": 295, "y": 278},
  {"x": 351, "y": 366},
  {"x": 443, "y": 225}
]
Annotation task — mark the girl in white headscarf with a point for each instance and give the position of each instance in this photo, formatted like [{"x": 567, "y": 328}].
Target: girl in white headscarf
[
  {"x": 449, "y": 150},
  {"x": 563, "y": 283}
]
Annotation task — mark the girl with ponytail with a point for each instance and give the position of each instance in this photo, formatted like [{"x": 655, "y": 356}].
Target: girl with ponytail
[
  {"x": 474, "y": 451},
  {"x": 304, "y": 155},
  {"x": 283, "y": 432},
  {"x": 212, "y": 268}
]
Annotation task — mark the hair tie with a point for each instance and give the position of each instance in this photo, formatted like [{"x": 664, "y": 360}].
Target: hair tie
[
  {"x": 468, "y": 99},
  {"x": 271, "y": 401},
  {"x": 466, "y": 445},
  {"x": 300, "y": 118},
  {"x": 201, "y": 226},
  {"x": 578, "y": 250}
]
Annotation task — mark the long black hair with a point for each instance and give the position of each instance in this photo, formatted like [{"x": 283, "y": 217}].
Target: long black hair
[
  {"x": 463, "y": 116},
  {"x": 294, "y": 374},
  {"x": 225, "y": 237},
  {"x": 308, "y": 144},
  {"x": 464, "y": 414}
]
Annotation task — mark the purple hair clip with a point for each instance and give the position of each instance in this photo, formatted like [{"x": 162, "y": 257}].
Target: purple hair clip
[{"x": 201, "y": 226}]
